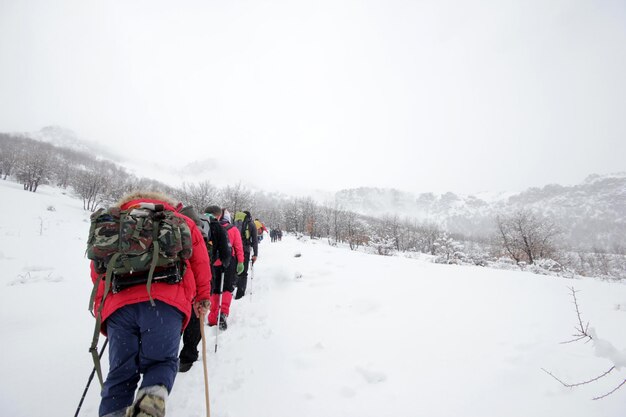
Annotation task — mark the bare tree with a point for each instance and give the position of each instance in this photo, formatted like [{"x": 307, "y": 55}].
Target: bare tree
[
  {"x": 598, "y": 263},
  {"x": 94, "y": 183},
  {"x": 236, "y": 198},
  {"x": 326, "y": 221},
  {"x": 428, "y": 234},
  {"x": 65, "y": 162},
  {"x": 393, "y": 227},
  {"x": 382, "y": 236},
  {"x": 293, "y": 216},
  {"x": 9, "y": 153},
  {"x": 199, "y": 195},
  {"x": 309, "y": 212},
  {"x": 268, "y": 208},
  {"x": 527, "y": 237},
  {"x": 355, "y": 230},
  {"x": 33, "y": 167},
  {"x": 337, "y": 225}
]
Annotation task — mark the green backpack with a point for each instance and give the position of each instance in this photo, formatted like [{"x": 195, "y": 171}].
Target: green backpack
[
  {"x": 141, "y": 245},
  {"x": 242, "y": 223}
]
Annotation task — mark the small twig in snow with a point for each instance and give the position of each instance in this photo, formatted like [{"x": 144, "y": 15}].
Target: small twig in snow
[
  {"x": 584, "y": 334},
  {"x": 578, "y": 383},
  {"x": 609, "y": 393},
  {"x": 581, "y": 329}
]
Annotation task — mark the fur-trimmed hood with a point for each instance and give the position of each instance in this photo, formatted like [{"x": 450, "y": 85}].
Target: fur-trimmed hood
[{"x": 146, "y": 195}]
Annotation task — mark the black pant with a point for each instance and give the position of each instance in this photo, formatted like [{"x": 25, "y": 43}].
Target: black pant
[
  {"x": 242, "y": 279},
  {"x": 191, "y": 338},
  {"x": 230, "y": 278},
  {"x": 192, "y": 335}
]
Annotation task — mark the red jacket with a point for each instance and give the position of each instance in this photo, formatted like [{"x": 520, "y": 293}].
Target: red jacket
[
  {"x": 235, "y": 241},
  {"x": 196, "y": 283}
]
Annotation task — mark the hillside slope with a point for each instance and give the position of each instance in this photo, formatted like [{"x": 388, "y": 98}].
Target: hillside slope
[
  {"x": 592, "y": 213},
  {"x": 332, "y": 332}
]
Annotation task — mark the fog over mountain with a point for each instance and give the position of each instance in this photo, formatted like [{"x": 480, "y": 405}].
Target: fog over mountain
[
  {"x": 592, "y": 213},
  {"x": 66, "y": 138}
]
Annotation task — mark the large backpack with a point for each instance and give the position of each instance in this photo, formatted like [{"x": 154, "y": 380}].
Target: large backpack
[
  {"x": 242, "y": 223},
  {"x": 202, "y": 221},
  {"x": 143, "y": 244}
]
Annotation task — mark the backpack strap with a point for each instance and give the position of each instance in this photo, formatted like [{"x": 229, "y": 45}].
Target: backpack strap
[
  {"x": 245, "y": 230},
  {"x": 92, "y": 298},
  {"x": 155, "y": 258},
  {"x": 93, "y": 349}
]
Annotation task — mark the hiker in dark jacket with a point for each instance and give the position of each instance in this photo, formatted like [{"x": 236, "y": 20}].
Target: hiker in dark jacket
[
  {"x": 222, "y": 292},
  {"x": 144, "y": 336},
  {"x": 250, "y": 242},
  {"x": 218, "y": 247}
]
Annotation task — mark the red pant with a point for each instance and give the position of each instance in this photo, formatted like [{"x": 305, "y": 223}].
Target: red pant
[{"x": 216, "y": 308}]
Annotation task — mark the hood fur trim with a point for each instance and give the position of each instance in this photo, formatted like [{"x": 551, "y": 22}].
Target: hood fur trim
[{"x": 149, "y": 195}]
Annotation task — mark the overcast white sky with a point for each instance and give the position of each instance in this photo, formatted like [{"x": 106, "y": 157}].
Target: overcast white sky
[{"x": 418, "y": 95}]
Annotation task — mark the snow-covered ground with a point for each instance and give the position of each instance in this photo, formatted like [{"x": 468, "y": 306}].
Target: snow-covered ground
[{"x": 330, "y": 333}]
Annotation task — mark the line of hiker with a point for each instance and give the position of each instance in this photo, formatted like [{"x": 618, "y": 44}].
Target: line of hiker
[
  {"x": 276, "y": 234},
  {"x": 158, "y": 269}
]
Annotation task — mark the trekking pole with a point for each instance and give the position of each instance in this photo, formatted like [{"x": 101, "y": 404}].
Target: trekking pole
[
  {"x": 251, "y": 278},
  {"x": 219, "y": 312},
  {"x": 206, "y": 374},
  {"x": 80, "y": 404}
]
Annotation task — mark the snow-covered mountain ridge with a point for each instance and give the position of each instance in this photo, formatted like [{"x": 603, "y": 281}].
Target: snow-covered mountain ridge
[
  {"x": 592, "y": 212},
  {"x": 66, "y": 138}
]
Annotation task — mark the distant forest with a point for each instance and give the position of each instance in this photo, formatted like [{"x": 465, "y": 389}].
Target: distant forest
[{"x": 523, "y": 239}]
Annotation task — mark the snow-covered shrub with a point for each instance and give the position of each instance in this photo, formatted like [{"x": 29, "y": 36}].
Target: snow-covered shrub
[
  {"x": 549, "y": 265},
  {"x": 597, "y": 264},
  {"x": 384, "y": 245},
  {"x": 449, "y": 251},
  {"x": 505, "y": 263}
]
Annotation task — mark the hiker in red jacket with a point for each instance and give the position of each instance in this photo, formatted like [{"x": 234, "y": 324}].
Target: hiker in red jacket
[
  {"x": 144, "y": 335},
  {"x": 219, "y": 311},
  {"x": 260, "y": 229}
]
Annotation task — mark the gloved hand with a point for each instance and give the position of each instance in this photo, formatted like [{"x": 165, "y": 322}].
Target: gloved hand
[
  {"x": 239, "y": 268},
  {"x": 253, "y": 259}
]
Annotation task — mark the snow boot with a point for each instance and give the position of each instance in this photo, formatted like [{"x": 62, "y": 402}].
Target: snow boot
[
  {"x": 184, "y": 366},
  {"x": 150, "y": 402},
  {"x": 223, "y": 324}
]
